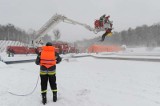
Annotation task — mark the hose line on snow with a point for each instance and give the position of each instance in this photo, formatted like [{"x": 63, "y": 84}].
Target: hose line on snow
[{"x": 25, "y": 94}]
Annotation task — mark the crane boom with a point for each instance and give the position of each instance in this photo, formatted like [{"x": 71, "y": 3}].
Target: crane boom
[{"x": 53, "y": 21}]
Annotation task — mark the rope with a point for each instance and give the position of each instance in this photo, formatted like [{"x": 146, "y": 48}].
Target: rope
[{"x": 27, "y": 93}]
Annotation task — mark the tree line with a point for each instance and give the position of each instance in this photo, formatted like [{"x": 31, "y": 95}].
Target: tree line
[
  {"x": 10, "y": 32},
  {"x": 147, "y": 36},
  {"x": 13, "y": 33}
]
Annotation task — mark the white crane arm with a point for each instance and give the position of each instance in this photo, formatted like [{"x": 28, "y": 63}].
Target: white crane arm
[
  {"x": 67, "y": 20},
  {"x": 53, "y": 21}
]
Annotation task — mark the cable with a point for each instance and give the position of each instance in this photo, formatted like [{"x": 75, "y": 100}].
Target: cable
[{"x": 28, "y": 93}]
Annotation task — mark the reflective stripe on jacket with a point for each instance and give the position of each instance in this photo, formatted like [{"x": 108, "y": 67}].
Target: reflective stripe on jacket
[{"x": 48, "y": 57}]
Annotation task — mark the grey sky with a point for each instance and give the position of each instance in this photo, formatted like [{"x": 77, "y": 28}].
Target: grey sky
[{"x": 33, "y": 14}]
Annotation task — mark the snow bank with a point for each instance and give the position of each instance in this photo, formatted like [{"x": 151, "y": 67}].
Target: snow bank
[{"x": 2, "y": 65}]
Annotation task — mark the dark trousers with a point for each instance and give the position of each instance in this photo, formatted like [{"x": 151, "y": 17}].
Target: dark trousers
[
  {"x": 44, "y": 82},
  {"x": 104, "y": 35}
]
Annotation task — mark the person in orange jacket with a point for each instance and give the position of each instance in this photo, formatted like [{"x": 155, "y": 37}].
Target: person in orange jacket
[{"x": 47, "y": 59}]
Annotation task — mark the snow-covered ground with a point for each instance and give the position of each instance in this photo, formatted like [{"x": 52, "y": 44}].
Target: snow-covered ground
[{"x": 84, "y": 81}]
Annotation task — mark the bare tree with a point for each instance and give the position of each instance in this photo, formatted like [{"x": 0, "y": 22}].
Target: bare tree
[{"x": 57, "y": 34}]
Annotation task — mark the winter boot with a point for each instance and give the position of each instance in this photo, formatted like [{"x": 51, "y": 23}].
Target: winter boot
[
  {"x": 54, "y": 96},
  {"x": 44, "y": 98}
]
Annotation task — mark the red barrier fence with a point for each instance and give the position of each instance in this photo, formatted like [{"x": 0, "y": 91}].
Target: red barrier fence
[
  {"x": 104, "y": 48},
  {"x": 24, "y": 50},
  {"x": 17, "y": 49}
]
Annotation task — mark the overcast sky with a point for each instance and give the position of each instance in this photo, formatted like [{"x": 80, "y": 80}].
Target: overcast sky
[{"x": 32, "y": 14}]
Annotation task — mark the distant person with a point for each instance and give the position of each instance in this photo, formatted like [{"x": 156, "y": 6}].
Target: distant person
[
  {"x": 36, "y": 50},
  {"x": 102, "y": 19},
  {"x": 47, "y": 59},
  {"x": 12, "y": 52}
]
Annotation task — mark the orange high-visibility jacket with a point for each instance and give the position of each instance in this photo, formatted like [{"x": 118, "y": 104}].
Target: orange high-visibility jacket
[{"x": 48, "y": 57}]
